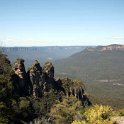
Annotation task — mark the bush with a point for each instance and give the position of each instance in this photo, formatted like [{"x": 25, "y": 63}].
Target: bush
[
  {"x": 65, "y": 111},
  {"x": 97, "y": 114}
]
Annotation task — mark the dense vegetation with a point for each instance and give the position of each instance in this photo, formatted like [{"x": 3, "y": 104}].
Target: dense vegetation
[
  {"x": 18, "y": 104},
  {"x": 101, "y": 71},
  {"x": 92, "y": 66},
  {"x": 63, "y": 100}
]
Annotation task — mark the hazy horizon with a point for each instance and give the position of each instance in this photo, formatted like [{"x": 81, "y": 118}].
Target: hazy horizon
[{"x": 61, "y": 45}]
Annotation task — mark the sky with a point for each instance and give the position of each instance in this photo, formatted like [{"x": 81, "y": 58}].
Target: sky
[{"x": 61, "y": 22}]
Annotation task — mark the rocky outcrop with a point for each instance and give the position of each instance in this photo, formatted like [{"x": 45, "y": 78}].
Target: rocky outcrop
[
  {"x": 42, "y": 79},
  {"x": 48, "y": 69},
  {"x": 20, "y": 78},
  {"x": 35, "y": 74},
  {"x": 37, "y": 81},
  {"x": 75, "y": 88},
  {"x": 19, "y": 68},
  {"x": 48, "y": 76},
  {"x": 17, "y": 106}
]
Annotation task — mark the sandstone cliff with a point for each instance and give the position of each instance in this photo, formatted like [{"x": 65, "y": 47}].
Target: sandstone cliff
[
  {"x": 39, "y": 80},
  {"x": 107, "y": 48}
]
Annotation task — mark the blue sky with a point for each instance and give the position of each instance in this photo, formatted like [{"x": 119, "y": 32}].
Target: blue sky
[{"x": 61, "y": 22}]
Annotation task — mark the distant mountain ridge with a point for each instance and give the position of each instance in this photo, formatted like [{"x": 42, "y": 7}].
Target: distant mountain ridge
[
  {"x": 107, "y": 48},
  {"x": 98, "y": 59},
  {"x": 41, "y": 53}
]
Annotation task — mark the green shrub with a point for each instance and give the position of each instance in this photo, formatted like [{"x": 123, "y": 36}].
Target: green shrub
[
  {"x": 97, "y": 114},
  {"x": 65, "y": 111}
]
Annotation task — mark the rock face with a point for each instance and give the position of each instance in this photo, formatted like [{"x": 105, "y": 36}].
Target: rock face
[
  {"x": 48, "y": 69},
  {"x": 42, "y": 79},
  {"x": 37, "y": 81},
  {"x": 35, "y": 74},
  {"x": 20, "y": 79},
  {"x": 75, "y": 88},
  {"x": 107, "y": 48},
  {"x": 19, "y": 68}
]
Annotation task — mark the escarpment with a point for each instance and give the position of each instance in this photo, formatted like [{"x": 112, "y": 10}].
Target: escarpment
[{"x": 39, "y": 80}]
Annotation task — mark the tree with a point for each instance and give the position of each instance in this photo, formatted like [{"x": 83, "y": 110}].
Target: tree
[{"x": 65, "y": 111}]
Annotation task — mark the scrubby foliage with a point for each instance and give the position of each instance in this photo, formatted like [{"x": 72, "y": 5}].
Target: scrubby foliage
[
  {"x": 70, "y": 111},
  {"x": 97, "y": 114},
  {"x": 65, "y": 111}
]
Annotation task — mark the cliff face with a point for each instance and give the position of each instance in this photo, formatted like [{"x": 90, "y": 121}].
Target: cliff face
[
  {"x": 40, "y": 80},
  {"x": 107, "y": 48},
  {"x": 20, "y": 78}
]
